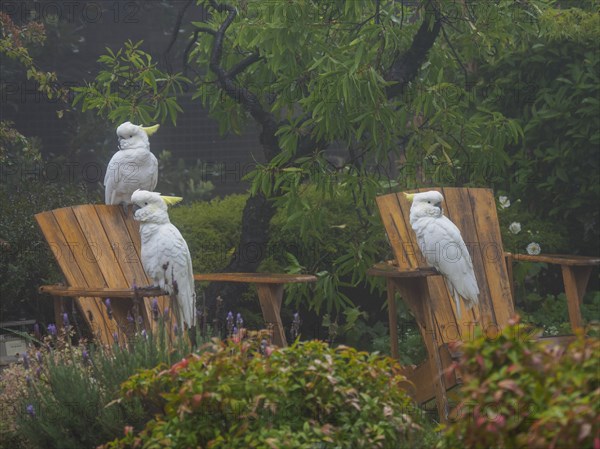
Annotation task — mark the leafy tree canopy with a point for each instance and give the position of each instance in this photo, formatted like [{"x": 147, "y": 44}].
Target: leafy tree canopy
[{"x": 502, "y": 94}]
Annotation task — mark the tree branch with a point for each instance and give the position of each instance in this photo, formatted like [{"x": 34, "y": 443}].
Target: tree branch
[
  {"x": 243, "y": 65},
  {"x": 406, "y": 67},
  {"x": 247, "y": 99},
  {"x": 175, "y": 32},
  {"x": 456, "y": 55}
]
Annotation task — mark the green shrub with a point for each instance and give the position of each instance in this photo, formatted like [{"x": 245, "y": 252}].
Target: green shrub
[
  {"x": 307, "y": 395},
  {"x": 26, "y": 261},
  {"x": 211, "y": 229},
  {"x": 520, "y": 392},
  {"x": 551, "y": 314},
  {"x": 70, "y": 395}
]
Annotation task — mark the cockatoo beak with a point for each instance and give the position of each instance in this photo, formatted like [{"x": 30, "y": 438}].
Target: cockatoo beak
[
  {"x": 135, "y": 208},
  {"x": 171, "y": 200},
  {"x": 409, "y": 196},
  {"x": 150, "y": 129}
]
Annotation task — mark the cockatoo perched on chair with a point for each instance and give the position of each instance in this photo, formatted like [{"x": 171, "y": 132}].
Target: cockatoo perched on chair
[
  {"x": 132, "y": 167},
  {"x": 165, "y": 255},
  {"x": 442, "y": 245}
]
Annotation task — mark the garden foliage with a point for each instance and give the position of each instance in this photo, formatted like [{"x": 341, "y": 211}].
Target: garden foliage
[
  {"x": 68, "y": 394},
  {"x": 244, "y": 395},
  {"x": 521, "y": 392}
]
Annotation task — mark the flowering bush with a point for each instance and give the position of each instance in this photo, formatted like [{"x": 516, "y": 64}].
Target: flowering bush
[
  {"x": 305, "y": 396},
  {"x": 520, "y": 392},
  {"x": 65, "y": 395},
  {"x": 13, "y": 387},
  {"x": 525, "y": 233}
]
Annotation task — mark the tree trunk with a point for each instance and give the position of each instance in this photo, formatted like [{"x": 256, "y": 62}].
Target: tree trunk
[{"x": 250, "y": 252}]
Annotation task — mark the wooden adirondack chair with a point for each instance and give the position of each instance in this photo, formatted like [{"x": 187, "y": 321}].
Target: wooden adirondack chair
[
  {"x": 98, "y": 250},
  {"x": 473, "y": 210}
]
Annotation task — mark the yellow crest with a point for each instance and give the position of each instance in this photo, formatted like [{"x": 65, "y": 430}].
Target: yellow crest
[
  {"x": 150, "y": 129},
  {"x": 171, "y": 200},
  {"x": 409, "y": 196}
]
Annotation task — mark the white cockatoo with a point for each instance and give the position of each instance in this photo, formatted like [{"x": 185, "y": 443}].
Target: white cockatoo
[
  {"x": 165, "y": 255},
  {"x": 442, "y": 245},
  {"x": 133, "y": 166}
]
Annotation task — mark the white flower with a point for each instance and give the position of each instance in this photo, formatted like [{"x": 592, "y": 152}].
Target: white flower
[
  {"x": 515, "y": 227},
  {"x": 534, "y": 249},
  {"x": 504, "y": 202}
]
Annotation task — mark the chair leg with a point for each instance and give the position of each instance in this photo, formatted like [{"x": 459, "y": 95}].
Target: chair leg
[
  {"x": 575, "y": 281},
  {"x": 419, "y": 301},
  {"x": 441, "y": 397},
  {"x": 58, "y": 311},
  {"x": 392, "y": 318},
  {"x": 270, "y": 297}
]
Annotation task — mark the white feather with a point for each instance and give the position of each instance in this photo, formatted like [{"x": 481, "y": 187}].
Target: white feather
[
  {"x": 442, "y": 245},
  {"x": 132, "y": 167},
  {"x": 165, "y": 254}
]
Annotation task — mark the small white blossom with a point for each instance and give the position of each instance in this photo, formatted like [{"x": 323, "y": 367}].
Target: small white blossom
[
  {"x": 504, "y": 202},
  {"x": 515, "y": 227},
  {"x": 534, "y": 249}
]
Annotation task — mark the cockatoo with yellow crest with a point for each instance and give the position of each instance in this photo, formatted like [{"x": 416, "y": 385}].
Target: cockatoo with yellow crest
[
  {"x": 442, "y": 245},
  {"x": 133, "y": 166},
  {"x": 165, "y": 255}
]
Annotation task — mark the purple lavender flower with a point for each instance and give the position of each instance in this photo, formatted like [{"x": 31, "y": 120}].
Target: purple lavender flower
[
  {"x": 229, "y": 323},
  {"x": 144, "y": 333},
  {"x": 36, "y": 331},
  {"x": 38, "y": 356},
  {"x": 175, "y": 329},
  {"x": 295, "y": 331},
  {"x": 52, "y": 329},
  {"x": 85, "y": 356},
  {"x": 65, "y": 318},
  {"x": 38, "y": 372},
  {"x": 116, "y": 337},
  {"x": 130, "y": 318},
  {"x": 155, "y": 310},
  {"x": 25, "y": 361},
  {"x": 239, "y": 321},
  {"x": 108, "y": 308},
  {"x": 166, "y": 311},
  {"x": 30, "y": 410}
]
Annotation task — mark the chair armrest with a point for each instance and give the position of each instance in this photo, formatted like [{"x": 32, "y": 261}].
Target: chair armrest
[
  {"x": 557, "y": 259},
  {"x": 391, "y": 271},
  {"x": 256, "y": 278},
  {"x": 102, "y": 292},
  {"x": 576, "y": 272}
]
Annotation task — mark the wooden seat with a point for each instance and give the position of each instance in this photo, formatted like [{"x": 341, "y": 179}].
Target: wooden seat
[
  {"x": 473, "y": 210},
  {"x": 98, "y": 250}
]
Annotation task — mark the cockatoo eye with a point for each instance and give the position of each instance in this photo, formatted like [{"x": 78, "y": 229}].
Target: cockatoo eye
[{"x": 146, "y": 203}]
